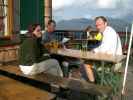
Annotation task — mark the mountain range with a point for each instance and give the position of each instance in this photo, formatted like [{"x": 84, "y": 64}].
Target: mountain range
[{"x": 81, "y": 23}]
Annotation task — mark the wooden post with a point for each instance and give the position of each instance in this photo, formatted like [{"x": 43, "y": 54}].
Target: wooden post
[
  {"x": 2, "y": 16},
  {"x": 48, "y": 11},
  {"x": 9, "y": 17}
]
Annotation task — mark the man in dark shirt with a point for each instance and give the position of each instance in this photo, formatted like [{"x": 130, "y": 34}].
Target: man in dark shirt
[{"x": 49, "y": 34}]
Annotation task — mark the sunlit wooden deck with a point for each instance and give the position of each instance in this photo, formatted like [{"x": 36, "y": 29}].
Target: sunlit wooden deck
[{"x": 11, "y": 89}]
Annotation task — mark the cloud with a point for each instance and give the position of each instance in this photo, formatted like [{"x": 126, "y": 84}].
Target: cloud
[
  {"x": 107, "y": 3},
  {"x": 68, "y": 9},
  {"x": 61, "y": 3}
]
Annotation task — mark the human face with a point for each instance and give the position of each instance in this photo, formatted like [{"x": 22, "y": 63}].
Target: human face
[
  {"x": 37, "y": 32},
  {"x": 101, "y": 25},
  {"x": 51, "y": 27}
]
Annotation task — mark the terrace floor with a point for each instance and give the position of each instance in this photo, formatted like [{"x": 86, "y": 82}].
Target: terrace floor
[{"x": 11, "y": 89}]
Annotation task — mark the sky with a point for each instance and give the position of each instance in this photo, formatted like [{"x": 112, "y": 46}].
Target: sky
[{"x": 70, "y": 9}]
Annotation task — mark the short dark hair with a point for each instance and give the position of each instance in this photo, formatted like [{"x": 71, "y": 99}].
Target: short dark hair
[
  {"x": 51, "y": 21},
  {"x": 101, "y": 17}
]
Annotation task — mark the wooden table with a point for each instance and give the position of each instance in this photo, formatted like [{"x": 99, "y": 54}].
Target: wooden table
[
  {"x": 90, "y": 55},
  {"x": 93, "y": 57}
]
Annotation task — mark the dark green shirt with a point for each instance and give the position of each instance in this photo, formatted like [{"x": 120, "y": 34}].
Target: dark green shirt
[{"x": 31, "y": 50}]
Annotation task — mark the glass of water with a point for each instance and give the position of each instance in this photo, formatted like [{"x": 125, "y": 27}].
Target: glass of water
[{"x": 84, "y": 47}]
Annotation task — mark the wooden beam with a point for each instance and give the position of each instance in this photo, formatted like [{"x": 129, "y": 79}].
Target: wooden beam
[
  {"x": 73, "y": 84},
  {"x": 9, "y": 18},
  {"x": 47, "y": 11}
]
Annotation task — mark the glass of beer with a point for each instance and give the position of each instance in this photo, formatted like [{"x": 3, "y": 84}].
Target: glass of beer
[
  {"x": 55, "y": 46},
  {"x": 84, "y": 47}
]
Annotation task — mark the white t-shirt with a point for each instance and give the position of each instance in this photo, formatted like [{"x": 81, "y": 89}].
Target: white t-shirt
[{"x": 111, "y": 43}]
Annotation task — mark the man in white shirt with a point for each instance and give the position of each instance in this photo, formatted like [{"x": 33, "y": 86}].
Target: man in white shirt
[{"x": 111, "y": 43}]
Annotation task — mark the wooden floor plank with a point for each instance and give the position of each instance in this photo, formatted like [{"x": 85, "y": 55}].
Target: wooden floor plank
[{"x": 13, "y": 90}]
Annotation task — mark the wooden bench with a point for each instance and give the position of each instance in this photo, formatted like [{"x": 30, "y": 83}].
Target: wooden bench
[{"x": 65, "y": 83}]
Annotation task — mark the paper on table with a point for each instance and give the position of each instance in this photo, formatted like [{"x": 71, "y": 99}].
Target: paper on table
[{"x": 64, "y": 40}]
